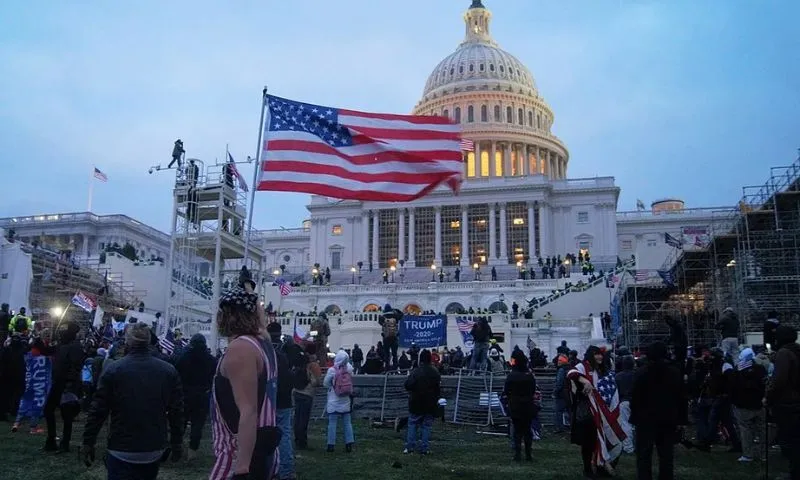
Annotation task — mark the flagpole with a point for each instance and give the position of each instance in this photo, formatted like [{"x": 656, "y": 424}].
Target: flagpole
[
  {"x": 256, "y": 170},
  {"x": 91, "y": 190}
]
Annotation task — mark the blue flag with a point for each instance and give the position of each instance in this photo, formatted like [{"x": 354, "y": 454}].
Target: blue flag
[{"x": 38, "y": 373}]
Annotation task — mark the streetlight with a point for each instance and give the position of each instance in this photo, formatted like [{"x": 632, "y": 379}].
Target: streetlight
[
  {"x": 519, "y": 268},
  {"x": 276, "y": 272},
  {"x": 392, "y": 268},
  {"x": 353, "y": 271},
  {"x": 477, "y": 270},
  {"x": 315, "y": 276},
  {"x": 433, "y": 272},
  {"x": 56, "y": 311}
]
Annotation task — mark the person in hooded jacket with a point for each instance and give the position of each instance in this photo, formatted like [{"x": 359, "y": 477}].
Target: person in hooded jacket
[
  {"x": 338, "y": 406},
  {"x": 12, "y": 374},
  {"x": 783, "y": 396},
  {"x": 771, "y": 324},
  {"x": 728, "y": 327},
  {"x": 423, "y": 386},
  {"x": 65, "y": 392},
  {"x": 520, "y": 388},
  {"x": 747, "y": 387},
  {"x": 196, "y": 368}
]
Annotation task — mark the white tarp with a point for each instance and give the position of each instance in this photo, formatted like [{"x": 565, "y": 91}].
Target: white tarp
[{"x": 16, "y": 274}]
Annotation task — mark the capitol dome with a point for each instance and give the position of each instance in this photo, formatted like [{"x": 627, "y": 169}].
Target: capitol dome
[{"x": 494, "y": 96}]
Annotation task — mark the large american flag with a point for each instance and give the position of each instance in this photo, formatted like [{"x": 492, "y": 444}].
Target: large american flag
[
  {"x": 357, "y": 155},
  {"x": 604, "y": 405}
]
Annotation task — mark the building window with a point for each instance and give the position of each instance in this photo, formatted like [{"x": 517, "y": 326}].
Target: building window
[
  {"x": 452, "y": 71},
  {"x": 470, "y": 114},
  {"x": 627, "y": 244},
  {"x": 336, "y": 230},
  {"x": 502, "y": 69},
  {"x": 491, "y": 67},
  {"x": 446, "y": 113},
  {"x": 461, "y": 69},
  {"x": 518, "y": 221},
  {"x": 497, "y": 114},
  {"x": 425, "y": 235},
  {"x": 583, "y": 217},
  {"x": 530, "y": 118},
  {"x": 482, "y": 67},
  {"x": 336, "y": 260},
  {"x": 458, "y": 115},
  {"x": 509, "y": 115},
  {"x": 451, "y": 236},
  {"x": 517, "y": 232},
  {"x": 287, "y": 258},
  {"x": 585, "y": 244},
  {"x": 538, "y": 121},
  {"x": 520, "y": 117},
  {"x": 388, "y": 230},
  {"x": 652, "y": 243},
  {"x": 471, "y": 67},
  {"x": 484, "y": 114}
]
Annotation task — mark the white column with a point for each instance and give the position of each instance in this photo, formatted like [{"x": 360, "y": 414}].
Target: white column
[
  {"x": 364, "y": 238},
  {"x": 544, "y": 229},
  {"x": 492, "y": 236},
  {"x": 437, "y": 245},
  {"x": 401, "y": 234},
  {"x": 412, "y": 247},
  {"x": 507, "y": 159},
  {"x": 552, "y": 159},
  {"x": 531, "y": 232},
  {"x": 492, "y": 159},
  {"x": 85, "y": 251},
  {"x": 375, "y": 224},
  {"x": 465, "y": 258},
  {"x": 503, "y": 235},
  {"x": 477, "y": 159}
]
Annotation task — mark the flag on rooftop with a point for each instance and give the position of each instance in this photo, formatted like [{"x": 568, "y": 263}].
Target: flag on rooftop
[
  {"x": 354, "y": 155},
  {"x": 83, "y": 301},
  {"x": 99, "y": 175},
  {"x": 467, "y": 145},
  {"x": 239, "y": 177},
  {"x": 639, "y": 205}
]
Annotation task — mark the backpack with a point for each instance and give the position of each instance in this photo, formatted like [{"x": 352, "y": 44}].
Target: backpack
[
  {"x": 390, "y": 328},
  {"x": 343, "y": 382},
  {"x": 21, "y": 324}
]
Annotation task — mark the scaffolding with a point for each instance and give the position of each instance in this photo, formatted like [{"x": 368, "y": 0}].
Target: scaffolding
[
  {"x": 751, "y": 263},
  {"x": 208, "y": 227}
]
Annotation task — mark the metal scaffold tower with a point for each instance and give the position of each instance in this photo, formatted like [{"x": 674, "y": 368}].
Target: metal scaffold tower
[
  {"x": 208, "y": 233},
  {"x": 767, "y": 257}
]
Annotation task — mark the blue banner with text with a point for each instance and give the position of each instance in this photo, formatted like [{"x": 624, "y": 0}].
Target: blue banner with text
[{"x": 426, "y": 331}]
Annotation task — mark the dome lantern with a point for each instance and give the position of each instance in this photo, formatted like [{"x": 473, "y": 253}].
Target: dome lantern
[{"x": 477, "y": 20}]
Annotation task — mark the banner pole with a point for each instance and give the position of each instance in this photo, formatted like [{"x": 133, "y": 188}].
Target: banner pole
[{"x": 256, "y": 171}]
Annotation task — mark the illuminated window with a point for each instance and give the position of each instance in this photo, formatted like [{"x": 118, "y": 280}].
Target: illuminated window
[
  {"x": 471, "y": 164},
  {"x": 584, "y": 245},
  {"x": 336, "y": 230},
  {"x": 481, "y": 222},
  {"x": 519, "y": 221},
  {"x": 583, "y": 217},
  {"x": 484, "y": 164},
  {"x": 498, "y": 164},
  {"x": 455, "y": 224}
]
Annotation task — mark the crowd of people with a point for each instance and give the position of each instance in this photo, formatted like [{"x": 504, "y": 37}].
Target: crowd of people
[{"x": 261, "y": 391}]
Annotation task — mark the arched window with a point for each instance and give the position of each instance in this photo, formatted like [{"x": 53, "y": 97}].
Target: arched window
[
  {"x": 509, "y": 115},
  {"x": 446, "y": 113},
  {"x": 461, "y": 69},
  {"x": 333, "y": 309},
  {"x": 520, "y": 117},
  {"x": 471, "y": 68},
  {"x": 538, "y": 121},
  {"x": 497, "y": 117},
  {"x": 412, "y": 309},
  {"x": 372, "y": 308},
  {"x": 484, "y": 114},
  {"x": 530, "y": 118},
  {"x": 498, "y": 307},
  {"x": 491, "y": 67},
  {"x": 458, "y": 115},
  {"x": 454, "y": 308},
  {"x": 470, "y": 114}
]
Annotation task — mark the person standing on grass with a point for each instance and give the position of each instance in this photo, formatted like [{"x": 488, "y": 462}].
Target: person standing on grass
[
  {"x": 65, "y": 393},
  {"x": 520, "y": 389},
  {"x": 283, "y": 402},
  {"x": 424, "y": 389},
  {"x": 196, "y": 369},
  {"x": 244, "y": 392},
  {"x": 339, "y": 382},
  {"x": 142, "y": 394},
  {"x": 655, "y": 412},
  {"x": 37, "y": 385},
  {"x": 783, "y": 396},
  {"x": 306, "y": 377},
  {"x": 747, "y": 385}
]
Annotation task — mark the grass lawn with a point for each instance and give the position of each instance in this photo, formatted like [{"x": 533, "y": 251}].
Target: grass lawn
[{"x": 457, "y": 452}]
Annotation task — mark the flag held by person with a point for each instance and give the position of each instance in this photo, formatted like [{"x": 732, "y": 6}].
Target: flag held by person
[
  {"x": 237, "y": 173},
  {"x": 284, "y": 287},
  {"x": 83, "y": 301},
  {"x": 167, "y": 342},
  {"x": 354, "y": 155}
]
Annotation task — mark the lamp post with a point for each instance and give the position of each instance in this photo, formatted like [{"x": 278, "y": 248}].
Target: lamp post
[
  {"x": 477, "y": 270},
  {"x": 433, "y": 272},
  {"x": 314, "y": 275},
  {"x": 353, "y": 271},
  {"x": 276, "y": 272},
  {"x": 567, "y": 266},
  {"x": 519, "y": 269},
  {"x": 392, "y": 269}
]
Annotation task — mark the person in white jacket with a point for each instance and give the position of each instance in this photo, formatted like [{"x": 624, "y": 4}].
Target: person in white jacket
[{"x": 338, "y": 406}]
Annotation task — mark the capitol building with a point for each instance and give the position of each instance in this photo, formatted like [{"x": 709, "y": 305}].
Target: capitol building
[{"x": 478, "y": 250}]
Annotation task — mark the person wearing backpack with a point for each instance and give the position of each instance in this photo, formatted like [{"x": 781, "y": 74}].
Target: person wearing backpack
[
  {"x": 389, "y": 322},
  {"x": 339, "y": 382},
  {"x": 306, "y": 377}
]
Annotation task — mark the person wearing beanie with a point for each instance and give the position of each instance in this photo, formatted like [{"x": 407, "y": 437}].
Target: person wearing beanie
[
  {"x": 520, "y": 388},
  {"x": 424, "y": 390},
  {"x": 142, "y": 395},
  {"x": 561, "y": 412},
  {"x": 196, "y": 369}
]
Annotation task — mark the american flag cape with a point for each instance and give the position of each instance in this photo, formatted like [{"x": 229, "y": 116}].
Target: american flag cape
[
  {"x": 604, "y": 405},
  {"x": 465, "y": 328},
  {"x": 354, "y": 155}
]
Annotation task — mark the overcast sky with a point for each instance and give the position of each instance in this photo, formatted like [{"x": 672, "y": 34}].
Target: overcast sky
[{"x": 674, "y": 98}]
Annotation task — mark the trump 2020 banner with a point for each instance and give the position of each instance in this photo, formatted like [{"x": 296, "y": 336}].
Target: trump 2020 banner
[
  {"x": 425, "y": 331},
  {"x": 38, "y": 370}
]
